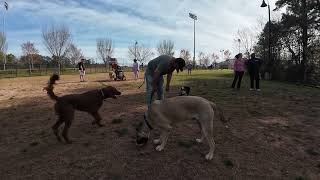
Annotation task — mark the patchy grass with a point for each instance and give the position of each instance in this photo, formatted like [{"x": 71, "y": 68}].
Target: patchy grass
[
  {"x": 117, "y": 121},
  {"x": 122, "y": 132},
  {"x": 187, "y": 144},
  {"x": 268, "y": 131},
  {"x": 228, "y": 163}
]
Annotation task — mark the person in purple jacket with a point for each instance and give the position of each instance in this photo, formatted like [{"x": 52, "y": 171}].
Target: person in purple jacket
[{"x": 239, "y": 64}]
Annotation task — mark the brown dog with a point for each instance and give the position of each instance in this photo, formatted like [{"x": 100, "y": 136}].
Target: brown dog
[{"x": 65, "y": 106}]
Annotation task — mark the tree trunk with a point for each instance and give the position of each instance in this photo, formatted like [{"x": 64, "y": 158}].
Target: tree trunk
[
  {"x": 59, "y": 66},
  {"x": 304, "y": 25},
  {"x": 30, "y": 68}
]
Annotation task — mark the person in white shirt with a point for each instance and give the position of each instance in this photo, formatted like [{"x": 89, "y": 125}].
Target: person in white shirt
[{"x": 135, "y": 69}]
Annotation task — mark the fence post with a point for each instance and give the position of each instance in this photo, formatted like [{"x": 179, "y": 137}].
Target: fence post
[
  {"x": 46, "y": 69},
  {"x": 16, "y": 70},
  {"x": 40, "y": 69}
]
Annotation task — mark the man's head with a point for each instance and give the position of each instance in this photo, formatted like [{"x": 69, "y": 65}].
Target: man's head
[
  {"x": 238, "y": 56},
  {"x": 253, "y": 55},
  {"x": 179, "y": 64},
  {"x": 82, "y": 60},
  {"x": 134, "y": 60}
]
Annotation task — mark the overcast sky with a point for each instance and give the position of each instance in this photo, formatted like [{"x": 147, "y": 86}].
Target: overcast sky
[{"x": 147, "y": 21}]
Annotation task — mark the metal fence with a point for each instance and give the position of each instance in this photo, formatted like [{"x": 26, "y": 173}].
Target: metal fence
[{"x": 21, "y": 70}]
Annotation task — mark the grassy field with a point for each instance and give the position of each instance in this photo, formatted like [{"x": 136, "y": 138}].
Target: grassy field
[{"x": 272, "y": 134}]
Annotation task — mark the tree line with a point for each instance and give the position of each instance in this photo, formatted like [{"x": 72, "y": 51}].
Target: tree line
[
  {"x": 295, "y": 42},
  {"x": 64, "y": 53}
]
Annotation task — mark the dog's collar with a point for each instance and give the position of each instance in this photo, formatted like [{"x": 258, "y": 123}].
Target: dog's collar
[
  {"x": 147, "y": 123},
  {"x": 103, "y": 96}
]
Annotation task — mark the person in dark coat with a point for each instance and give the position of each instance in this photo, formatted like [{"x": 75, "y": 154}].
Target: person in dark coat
[{"x": 253, "y": 65}]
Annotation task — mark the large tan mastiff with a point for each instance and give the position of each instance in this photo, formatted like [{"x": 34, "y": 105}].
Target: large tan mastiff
[{"x": 165, "y": 113}]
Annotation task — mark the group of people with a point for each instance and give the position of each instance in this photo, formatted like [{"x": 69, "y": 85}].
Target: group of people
[{"x": 253, "y": 68}]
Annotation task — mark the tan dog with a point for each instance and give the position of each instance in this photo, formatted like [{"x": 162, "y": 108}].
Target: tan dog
[{"x": 164, "y": 114}]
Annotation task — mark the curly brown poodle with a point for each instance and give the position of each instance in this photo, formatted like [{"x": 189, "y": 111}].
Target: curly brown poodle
[{"x": 65, "y": 106}]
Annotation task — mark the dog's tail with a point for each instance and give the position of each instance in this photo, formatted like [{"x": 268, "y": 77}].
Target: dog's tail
[
  {"x": 219, "y": 111},
  {"x": 50, "y": 87}
]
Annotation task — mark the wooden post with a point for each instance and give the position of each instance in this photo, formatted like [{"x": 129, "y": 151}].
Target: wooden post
[{"x": 16, "y": 70}]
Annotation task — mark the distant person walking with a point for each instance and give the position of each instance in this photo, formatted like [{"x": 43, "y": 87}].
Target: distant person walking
[
  {"x": 254, "y": 65},
  {"x": 135, "y": 69},
  {"x": 82, "y": 70},
  {"x": 189, "y": 67},
  {"x": 238, "y": 70}
]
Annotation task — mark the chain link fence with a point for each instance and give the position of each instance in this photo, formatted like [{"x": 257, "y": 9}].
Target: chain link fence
[{"x": 21, "y": 70}]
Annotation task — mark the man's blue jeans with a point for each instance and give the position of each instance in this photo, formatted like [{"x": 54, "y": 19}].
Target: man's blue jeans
[{"x": 149, "y": 81}]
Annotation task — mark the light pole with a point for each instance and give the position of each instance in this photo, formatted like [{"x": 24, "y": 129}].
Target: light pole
[
  {"x": 264, "y": 4},
  {"x": 239, "y": 41},
  {"x": 135, "y": 50},
  {"x": 222, "y": 52},
  {"x": 6, "y": 6},
  {"x": 194, "y": 17}
]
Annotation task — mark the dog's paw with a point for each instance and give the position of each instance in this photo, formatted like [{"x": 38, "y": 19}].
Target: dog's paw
[
  {"x": 209, "y": 156},
  {"x": 156, "y": 141},
  {"x": 159, "y": 148}
]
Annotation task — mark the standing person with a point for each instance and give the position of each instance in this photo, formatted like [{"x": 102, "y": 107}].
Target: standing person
[
  {"x": 135, "y": 69},
  {"x": 82, "y": 70},
  {"x": 115, "y": 68},
  {"x": 189, "y": 67},
  {"x": 254, "y": 69},
  {"x": 238, "y": 70},
  {"x": 156, "y": 69}
]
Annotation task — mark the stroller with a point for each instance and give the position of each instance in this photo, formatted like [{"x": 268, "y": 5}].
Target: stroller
[{"x": 118, "y": 74}]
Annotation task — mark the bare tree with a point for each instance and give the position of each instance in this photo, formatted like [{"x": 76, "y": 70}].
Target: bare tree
[
  {"x": 166, "y": 47},
  {"x": 247, "y": 40},
  {"x": 214, "y": 58},
  {"x": 3, "y": 48},
  {"x": 227, "y": 54},
  {"x": 105, "y": 49},
  {"x": 74, "y": 54},
  {"x": 185, "y": 54},
  {"x": 201, "y": 56},
  {"x": 56, "y": 39},
  {"x": 140, "y": 52},
  {"x": 29, "y": 51},
  {"x": 207, "y": 60}
]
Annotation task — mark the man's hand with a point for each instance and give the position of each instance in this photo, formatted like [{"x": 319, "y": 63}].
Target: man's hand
[{"x": 169, "y": 76}]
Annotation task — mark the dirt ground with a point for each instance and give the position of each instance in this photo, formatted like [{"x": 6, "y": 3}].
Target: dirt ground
[{"x": 274, "y": 134}]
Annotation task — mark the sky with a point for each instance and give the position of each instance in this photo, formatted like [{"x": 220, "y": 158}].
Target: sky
[{"x": 127, "y": 21}]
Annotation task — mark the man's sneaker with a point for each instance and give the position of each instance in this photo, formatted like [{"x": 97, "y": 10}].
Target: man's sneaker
[
  {"x": 259, "y": 90},
  {"x": 251, "y": 89}
]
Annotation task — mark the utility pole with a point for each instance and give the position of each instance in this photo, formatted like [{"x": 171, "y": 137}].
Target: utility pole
[
  {"x": 6, "y": 6},
  {"x": 135, "y": 50},
  {"x": 239, "y": 41},
  {"x": 194, "y": 17}
]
